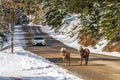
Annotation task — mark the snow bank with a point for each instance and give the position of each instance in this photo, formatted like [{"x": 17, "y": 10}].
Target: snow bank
[{"x": 28, "y": 66}]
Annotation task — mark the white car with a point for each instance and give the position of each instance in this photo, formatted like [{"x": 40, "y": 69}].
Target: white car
[{"x": 38, "y": 40}]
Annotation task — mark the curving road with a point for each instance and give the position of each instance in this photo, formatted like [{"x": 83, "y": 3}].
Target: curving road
[{"x": 100, "y": 67}]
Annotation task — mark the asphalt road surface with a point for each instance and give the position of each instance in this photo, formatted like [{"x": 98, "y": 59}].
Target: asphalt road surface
[{"x": 100, "y": 67}]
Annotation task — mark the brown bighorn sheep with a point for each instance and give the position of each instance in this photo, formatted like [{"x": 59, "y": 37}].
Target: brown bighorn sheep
[
  {"x": 84, "y": 53},
  {"x": 65, "y": 55}
]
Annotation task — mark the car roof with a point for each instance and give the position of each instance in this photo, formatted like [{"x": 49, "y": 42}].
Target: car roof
[{"x": 38, "y": 36}]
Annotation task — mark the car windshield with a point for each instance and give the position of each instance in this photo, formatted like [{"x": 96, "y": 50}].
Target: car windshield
[{"x": 38, "y": 38}]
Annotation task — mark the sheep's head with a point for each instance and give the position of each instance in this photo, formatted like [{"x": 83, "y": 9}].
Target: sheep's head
[{"x": 63, "y": 50}]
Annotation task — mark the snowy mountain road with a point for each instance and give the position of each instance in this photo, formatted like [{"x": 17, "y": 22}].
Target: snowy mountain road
[{"x": 100, "y": 67}]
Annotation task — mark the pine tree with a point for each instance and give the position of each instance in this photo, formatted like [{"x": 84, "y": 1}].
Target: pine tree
[
  {"x": 110, "y": 20},
  {"x": 56, "y": 13},
  {"x": 91, "y": 19},
  {"x": 74, "y": 6}
]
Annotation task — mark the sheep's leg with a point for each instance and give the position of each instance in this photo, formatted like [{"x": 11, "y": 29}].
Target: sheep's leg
[
  {"x": 81, "y": 61},
  {"x": 86, "y": 60},
  {"x": 63, "y": 61},
  {"x": 69, "y": 61}
]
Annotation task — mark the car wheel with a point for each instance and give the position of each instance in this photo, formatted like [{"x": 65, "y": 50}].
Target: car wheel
[
  {"x": 44, "y": 44},
  {"x": 33, "y": 44}
]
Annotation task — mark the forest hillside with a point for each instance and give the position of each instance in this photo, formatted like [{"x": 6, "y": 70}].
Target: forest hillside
[{"x": 97, "y": 21}]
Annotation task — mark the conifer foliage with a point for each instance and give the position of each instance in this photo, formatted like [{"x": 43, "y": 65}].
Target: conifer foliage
[
  {"x": 101, "y": 14},
  {"x": 90, "y": 19},
  {"x": 111, "y": 20},
  {"x": 56, "y": 13},
  {"x": 98, "y": 17}
]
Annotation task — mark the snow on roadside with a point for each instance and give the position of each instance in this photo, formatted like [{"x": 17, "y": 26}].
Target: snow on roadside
[{"x": 28, "y": 66}]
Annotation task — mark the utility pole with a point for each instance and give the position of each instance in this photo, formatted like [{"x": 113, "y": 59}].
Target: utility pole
[{"x": 12, "y": 30}]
